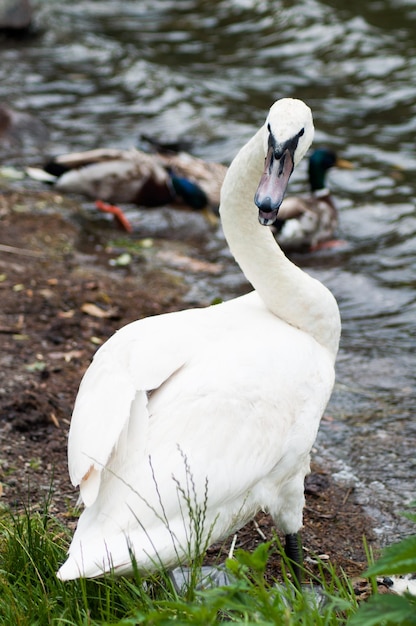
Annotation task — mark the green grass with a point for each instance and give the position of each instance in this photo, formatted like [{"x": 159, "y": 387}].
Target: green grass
[{"x": 33, "y": 545}]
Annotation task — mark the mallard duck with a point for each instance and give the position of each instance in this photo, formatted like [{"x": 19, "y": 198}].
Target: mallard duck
[
  {"x": 310, "y": 223},
  {"x": 133, "y": 176},
  {"x": 188, "y": 423}
]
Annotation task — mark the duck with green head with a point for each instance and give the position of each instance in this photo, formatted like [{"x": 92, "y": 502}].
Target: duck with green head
[
  {"x": 155, "y": 179},
  {"x": 309, "y": 223}
]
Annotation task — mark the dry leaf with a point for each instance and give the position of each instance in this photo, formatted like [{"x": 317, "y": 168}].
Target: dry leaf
[
  {"x": 187, "y": 263},
  {"x": 66, "y": 314},
  {"x": 95, "y": 311},
  {"x": 46, "y": 293},
  {"x": 54, "y": 419},
  {"x": 67, "y": 356}
]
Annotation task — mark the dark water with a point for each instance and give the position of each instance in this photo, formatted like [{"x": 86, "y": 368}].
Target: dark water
[{"x": 101, "y": 73}]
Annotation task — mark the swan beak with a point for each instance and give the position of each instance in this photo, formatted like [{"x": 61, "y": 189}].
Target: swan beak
[{"x": 273, "y": 184}]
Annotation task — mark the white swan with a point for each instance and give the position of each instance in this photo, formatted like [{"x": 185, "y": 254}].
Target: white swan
[{"x": 214, "y": 409}]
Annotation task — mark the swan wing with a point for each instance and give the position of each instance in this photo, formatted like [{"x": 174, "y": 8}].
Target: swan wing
[{"x": 121, "y": 375}]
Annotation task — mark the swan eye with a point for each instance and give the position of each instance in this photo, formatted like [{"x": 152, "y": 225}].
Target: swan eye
[
  {"x": 302, "y": 132},
  {"x": 268, "y": 128}
]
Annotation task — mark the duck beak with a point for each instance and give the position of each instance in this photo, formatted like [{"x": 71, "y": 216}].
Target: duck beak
[
  {"x": 273, "y": 184},
  {"x": 344, "y": 164}
]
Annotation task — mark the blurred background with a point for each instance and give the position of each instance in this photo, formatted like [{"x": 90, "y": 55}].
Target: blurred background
[{"x": 100, "y": 74}]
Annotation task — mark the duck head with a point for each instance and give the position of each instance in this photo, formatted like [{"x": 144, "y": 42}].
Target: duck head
[
  {"x": 320, "y": 161},
  {"x": 288, "y": 133}
]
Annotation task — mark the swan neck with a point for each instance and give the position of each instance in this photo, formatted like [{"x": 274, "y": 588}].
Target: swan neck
[{"x": 286, "y": 290}]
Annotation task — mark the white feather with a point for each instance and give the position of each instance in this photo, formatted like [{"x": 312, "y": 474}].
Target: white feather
[{"x": 213, "y": 409}]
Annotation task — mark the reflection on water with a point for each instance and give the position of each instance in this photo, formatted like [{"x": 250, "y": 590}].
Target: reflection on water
[{"x": 99, "y": 74}]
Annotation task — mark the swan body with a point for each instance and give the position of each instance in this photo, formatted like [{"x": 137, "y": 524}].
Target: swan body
[
  {"x": 209, "y": 411},
  {"x": 310, "y": 222},
  {"x": 134, "y": 176}
]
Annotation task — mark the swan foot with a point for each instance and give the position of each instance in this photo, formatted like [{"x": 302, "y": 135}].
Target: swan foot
[
  {"x": 293, "y": 551},
  {"x": 117, "y": 212},
  {"x": 210, "y": 576}
]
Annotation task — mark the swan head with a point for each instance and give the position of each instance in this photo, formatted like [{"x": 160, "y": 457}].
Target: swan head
[{"x": 288, "y": 133}]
